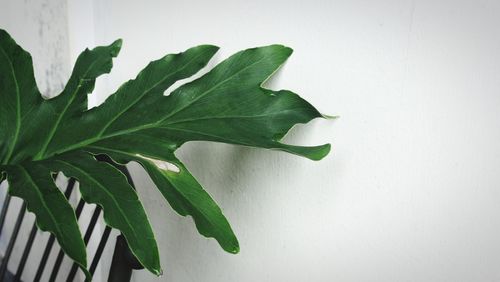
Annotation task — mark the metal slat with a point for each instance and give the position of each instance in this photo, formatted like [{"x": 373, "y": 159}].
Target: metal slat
[
  {"x": 124, "y": 265},
  {"x": 26, "y": 252},
  {"x": 100, "y": 249},
  {"x": 45, "y": 256},
  {"x": 123, "y": 262},
  {"x": 5, "y": 208},
  {"x": 57, "y": 265},
  {"x": 12, "y": 241},
  {"x": 86, "y": 238}
]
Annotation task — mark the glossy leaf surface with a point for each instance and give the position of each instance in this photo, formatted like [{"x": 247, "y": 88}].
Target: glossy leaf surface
[{"x": 39, "y": 136}]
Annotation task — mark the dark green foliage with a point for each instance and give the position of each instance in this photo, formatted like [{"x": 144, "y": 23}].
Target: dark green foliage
[{"x": 39, "y": 136}]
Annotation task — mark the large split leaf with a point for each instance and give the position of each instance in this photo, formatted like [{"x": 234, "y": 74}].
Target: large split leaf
[{"x": 139, "y": 123}]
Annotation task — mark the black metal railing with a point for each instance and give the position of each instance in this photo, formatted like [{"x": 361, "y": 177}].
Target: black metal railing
[{"x": 123, "y": 261}]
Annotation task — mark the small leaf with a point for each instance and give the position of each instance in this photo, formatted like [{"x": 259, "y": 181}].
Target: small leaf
[
  {"x": 182, "y": 188},
  {"x": 102, "y": 184},
  {"x": 184, "y": 194}
]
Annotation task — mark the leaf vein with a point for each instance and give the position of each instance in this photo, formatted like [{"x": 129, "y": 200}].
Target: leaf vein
[
  {"x": 104, "y": 189},
  {"x": 42, "y": 200},
  {"x": 18, "y": 107},
  {"x": 108, "y": 124}
]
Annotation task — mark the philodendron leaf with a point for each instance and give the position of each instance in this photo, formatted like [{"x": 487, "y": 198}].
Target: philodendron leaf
[{"x": 139, "y": 123}]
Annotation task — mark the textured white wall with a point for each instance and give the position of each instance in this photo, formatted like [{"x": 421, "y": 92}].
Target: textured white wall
[
  {"x": 41, "y": 28},
  {"x": 410, "y": 192}
]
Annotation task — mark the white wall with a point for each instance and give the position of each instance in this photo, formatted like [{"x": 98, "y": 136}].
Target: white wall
[
  {"x": 41, "y": 28},
  {"x": 410, "y": 192}
]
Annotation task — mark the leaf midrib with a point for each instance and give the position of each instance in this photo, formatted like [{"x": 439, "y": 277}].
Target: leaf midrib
[
  {"x": 18, "y": 108},
  {"x": 210, "y": 90},
  {"x": 54, "y": 128},
  {"x": 108, "y": 124},
  {"x": 228, "y": 117},
  {"x": 154, "y": 124},
  {"x": 42, "y": 200},
  {"x": 92, "y": 179}
]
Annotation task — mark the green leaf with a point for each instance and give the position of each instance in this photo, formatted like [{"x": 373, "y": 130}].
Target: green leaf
[
  {"x": 184, "y": 194},
  {"x": 129, "y": 105},
  {"x": 103, "y": 184},
  {"x": 73, "y": 100},
  {"x": 140, "y": 123},
  {"x": 34, "y": 184},
  {"x": 19, "y": 93},
  {"x": 25, "y": 112}
]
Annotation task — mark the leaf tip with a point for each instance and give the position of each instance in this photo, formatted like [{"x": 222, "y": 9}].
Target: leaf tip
[
  {"x": 116, "y": 46},
  {"x": 329, "y": 116},
  {"x": 288, "y": 50},
  {"x": 158, "y": 272},
  {"x": 211, "y": 49},
  {"x": 88, "y": 276},
  {"x": 315, "y": 153},
  {"x": 322, "y": 152},
  {"x": 283, "y": 50},
  {"x": 234, "y": 248}
]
